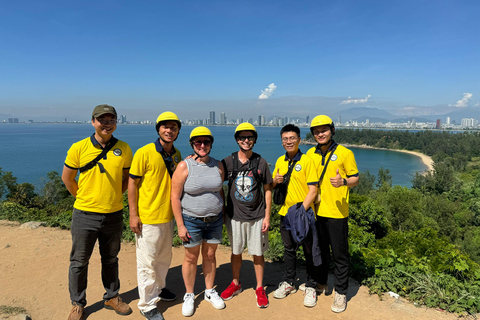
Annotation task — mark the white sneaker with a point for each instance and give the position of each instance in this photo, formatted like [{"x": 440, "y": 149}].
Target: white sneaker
[
  {"x": 188, "y": 304},
  {"x": 284, "y": 289},
  {"x": 340, "y": 303},
  {"x": 321, "y": 288},
  {"x": 310, "y": 299},
  {"x": 213, "y": 297}
]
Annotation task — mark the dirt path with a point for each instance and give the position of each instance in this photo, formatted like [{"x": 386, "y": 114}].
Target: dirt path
[{"x": 33, "y": 275}]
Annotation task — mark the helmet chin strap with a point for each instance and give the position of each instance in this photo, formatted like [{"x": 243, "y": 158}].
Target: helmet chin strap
[{"x": 325, "y": 144}]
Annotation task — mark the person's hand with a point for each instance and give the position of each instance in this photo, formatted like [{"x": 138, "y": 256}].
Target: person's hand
[
  {"x": 265, "y": 225},
  {"x": 278, "y": 178},
  {"x": 337, "y": 181},
  {"x": 136, "y": 224},
  {"x": 183, "y": 234}
]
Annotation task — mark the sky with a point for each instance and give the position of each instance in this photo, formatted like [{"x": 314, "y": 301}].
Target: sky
[{"x": 58, "y": 59}]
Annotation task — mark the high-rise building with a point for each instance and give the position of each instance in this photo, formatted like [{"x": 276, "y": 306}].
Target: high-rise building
[
  {"x": 250, "y": 120},
  {"x": 307, "y": 120},
  {"x": 448, "y": 120},
  {"x": 223, "y": 118},
  {"x": 212, "y": 117}
]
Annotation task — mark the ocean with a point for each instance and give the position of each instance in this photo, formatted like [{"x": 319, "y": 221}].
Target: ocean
[{"x": 30, "y": 151}]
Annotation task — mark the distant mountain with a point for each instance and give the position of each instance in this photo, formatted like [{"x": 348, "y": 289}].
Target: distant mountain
[
  {"x": 457, "y": 116},
  {"x": 360, "y": 114},
  {"x": 417, "y": 119}
]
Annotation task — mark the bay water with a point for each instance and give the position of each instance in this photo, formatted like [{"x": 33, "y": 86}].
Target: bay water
[{"x": 30, "y": 151}]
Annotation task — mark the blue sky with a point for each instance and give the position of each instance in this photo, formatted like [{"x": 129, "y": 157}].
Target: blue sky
[{"x": 61, "y": 58}]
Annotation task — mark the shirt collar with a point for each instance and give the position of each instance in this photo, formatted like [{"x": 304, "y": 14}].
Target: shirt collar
[
  {"x": 159, "y": 147},
  {"x": 319, "y": 150},
  {"x": 297, "y": 156}
]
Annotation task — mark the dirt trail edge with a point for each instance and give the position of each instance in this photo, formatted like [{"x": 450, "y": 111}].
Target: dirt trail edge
[{"x": 34, "y": 275}]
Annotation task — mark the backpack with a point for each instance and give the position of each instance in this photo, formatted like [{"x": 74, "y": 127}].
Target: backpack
[{"x": 254, "y": 162}]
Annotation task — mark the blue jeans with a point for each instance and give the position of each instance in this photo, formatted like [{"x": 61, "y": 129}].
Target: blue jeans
[
  {"x": 87, "y": 227},
  {"x": 200, "y": 231}
]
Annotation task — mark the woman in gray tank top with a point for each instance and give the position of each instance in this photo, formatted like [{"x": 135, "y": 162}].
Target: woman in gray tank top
[{"x": 198, "y": 203}]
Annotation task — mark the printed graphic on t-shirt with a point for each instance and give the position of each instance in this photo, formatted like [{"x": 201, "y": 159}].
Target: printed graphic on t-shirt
[{"x": 244, "y": 186}]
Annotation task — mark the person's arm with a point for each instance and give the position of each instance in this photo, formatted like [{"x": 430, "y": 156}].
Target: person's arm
[
  {"x": 135, "y": 222},
  {"x": 268, "y": 205},
  {"x": 68, "y": 178},
  {"x": 277, "y": 179},
  {"x": 312, "y": 193},
  {"x": 222, "y": 175},
  {"x": 178, "y": 181},
  {"x": 125, "y": 180}
]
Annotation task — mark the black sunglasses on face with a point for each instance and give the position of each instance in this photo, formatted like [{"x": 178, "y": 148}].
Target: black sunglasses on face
[
  {"x": 249, "y": 138},
  {"x": 198, "y": 143}
]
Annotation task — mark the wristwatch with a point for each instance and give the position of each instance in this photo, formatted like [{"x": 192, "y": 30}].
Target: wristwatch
[{"x": 344, "y": 181}]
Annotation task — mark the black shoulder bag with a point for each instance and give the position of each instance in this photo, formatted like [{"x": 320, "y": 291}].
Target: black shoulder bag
[
  {"x": 280, "y": 191},
  {"x": 94, "y": 162}
]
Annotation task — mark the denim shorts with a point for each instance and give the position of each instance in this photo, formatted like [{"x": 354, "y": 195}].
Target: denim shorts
[{"x": 200, "y": 231}]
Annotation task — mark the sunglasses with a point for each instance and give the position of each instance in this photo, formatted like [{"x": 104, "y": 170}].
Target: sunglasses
[
  {"x": 249, "y": 138},
  {"x": 198, "y": 143}
]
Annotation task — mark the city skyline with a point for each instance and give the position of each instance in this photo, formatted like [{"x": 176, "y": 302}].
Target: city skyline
[{"x": 411, "y": 58}]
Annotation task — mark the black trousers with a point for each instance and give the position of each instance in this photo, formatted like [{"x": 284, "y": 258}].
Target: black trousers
[
  {"x": 290, "y": 257},
  {"x": 333, "y": 233}
]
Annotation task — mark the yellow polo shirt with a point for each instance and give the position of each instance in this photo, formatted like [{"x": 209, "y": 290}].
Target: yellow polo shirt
[
  {"x": 154, "y": 188},
  {"x": 303, "y": 174},
  {"x": 334, "y": 201},
  {"x": 99, "y": 192}
]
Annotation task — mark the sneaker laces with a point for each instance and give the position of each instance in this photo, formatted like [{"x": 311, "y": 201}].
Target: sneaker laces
[{"x": 340, "y": 299}]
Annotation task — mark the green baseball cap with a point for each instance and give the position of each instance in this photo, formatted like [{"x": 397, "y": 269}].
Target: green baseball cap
[{"x": 103, "y": 109}]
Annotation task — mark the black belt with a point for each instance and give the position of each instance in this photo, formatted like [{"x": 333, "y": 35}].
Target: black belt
[{"x": 207, "y": 219}]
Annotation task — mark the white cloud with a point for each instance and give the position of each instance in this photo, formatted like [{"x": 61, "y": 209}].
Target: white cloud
[
  {"x": 355, "y": 101},
  {"x": 267, "y": 93},
  {"x": 462, "y": 103}
]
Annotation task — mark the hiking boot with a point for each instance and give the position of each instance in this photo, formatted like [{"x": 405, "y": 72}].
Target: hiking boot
[
  {"x": 188, "y": 304},
  {"x": 284, "y": 289},
  {"x": 167, "y": 295},
  {"x": 262, "y": 299},
  {"x": 213, "y": 297},
  {"x": 321, "y": 288},
  {"x": 76, "y": 313},
  {"x": 153, "y": 315},
  {"x": 231, "y": 291},
  {"x": 118, "y": 305},
  {"x": 340, "y": 302},
  {"x": 310, "y": 299}
]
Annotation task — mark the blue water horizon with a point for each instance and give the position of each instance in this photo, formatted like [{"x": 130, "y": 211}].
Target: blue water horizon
[{"x": 30, "y": 151}]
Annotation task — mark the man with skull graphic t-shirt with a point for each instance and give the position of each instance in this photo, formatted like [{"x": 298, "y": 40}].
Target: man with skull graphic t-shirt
[{"x": 248, "y": 209}]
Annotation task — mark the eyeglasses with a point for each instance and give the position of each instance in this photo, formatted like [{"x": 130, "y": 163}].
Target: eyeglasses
[
  {"x": 198, "y": 143},
  {"x": 249, "y": 138},
  {"x": 107, "y": 122},
  {"x": 289, "y": 139}
]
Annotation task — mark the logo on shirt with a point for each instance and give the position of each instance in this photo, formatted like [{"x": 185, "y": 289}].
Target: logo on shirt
[
  {"x": 244, "y": 185},
  {"x": 334, "y": 157},
  {"x": 298, "y": 167},
  {"x": 117, "y": 152}
]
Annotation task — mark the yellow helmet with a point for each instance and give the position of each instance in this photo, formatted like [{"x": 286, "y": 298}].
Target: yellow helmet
[
  {"x": 201, "y": 132},
  {"x": 245, "y": 127},
  {"x": 168, "y": 116},
  {"x": 322, "y": 120}
]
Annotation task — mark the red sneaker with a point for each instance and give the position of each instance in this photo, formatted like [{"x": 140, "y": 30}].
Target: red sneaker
[
  {"x": 262, "y": 299},
  {"x": 231, "y": 291}
]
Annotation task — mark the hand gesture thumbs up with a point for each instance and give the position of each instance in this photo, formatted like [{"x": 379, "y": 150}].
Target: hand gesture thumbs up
[{"x": 337, "y": 181}]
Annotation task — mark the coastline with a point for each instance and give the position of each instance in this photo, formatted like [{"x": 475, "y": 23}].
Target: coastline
[{"x": 427, "y": 160}]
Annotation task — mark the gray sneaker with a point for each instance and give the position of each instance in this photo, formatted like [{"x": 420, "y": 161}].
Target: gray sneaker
[
  {"x": 152, "y": 315},
  {"x": 284, "y": 289},
  {"x": 310, "y": 299},
  {"x": 340, "y": 303}
]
